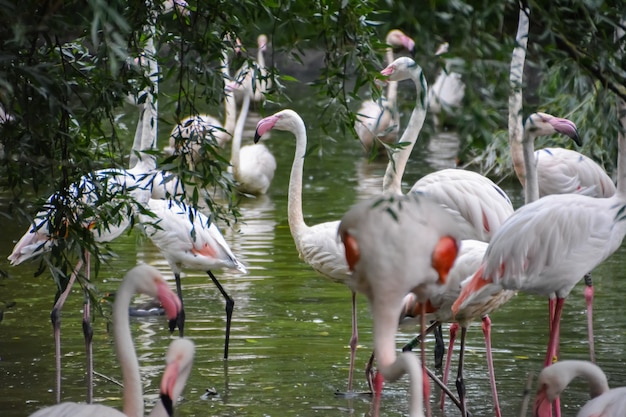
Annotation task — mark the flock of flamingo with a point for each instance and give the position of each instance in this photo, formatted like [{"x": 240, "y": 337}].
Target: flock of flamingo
[{"x": 451, "y": 250}]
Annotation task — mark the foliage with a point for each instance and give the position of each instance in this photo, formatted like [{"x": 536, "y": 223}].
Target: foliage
[{"x": 66, "y": 72}]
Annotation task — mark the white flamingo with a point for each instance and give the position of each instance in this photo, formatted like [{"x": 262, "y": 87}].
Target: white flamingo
[
  {"x": 555, "y": 378},
  {"x": 189, "y": 239},
  {"x": 559, "y": 170},
  {"x": 547, "y": 245},
  {"x": 380, "y": 120},
  {"x": 317, "y": 245},
  {"x": 143, "y": 279},
  {"x": 253, "y": 166},
  {"x": 192, "y": 131},
  {"x": 254, "y": 77},
  {"x": 476, "y": 198},
  {"x": 448, "y": 90},
  {"x": 387, "y": 263}
]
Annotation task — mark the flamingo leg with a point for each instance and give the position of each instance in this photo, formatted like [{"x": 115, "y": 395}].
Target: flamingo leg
[
  {"x": 354, "y": 340},
  {"x": 492, "y": 375},
  {"x": 589, "y": 301},
  {"x": 88, "y": 331},
  {"x": 423, "y": 359},
  {"x": 369, "y": 375},
  {"x": 230, "y": 304},
  {"x": 556, "y": 308},
  {"x": 460, "y": 383},
  {"x": 454, "y": 328},
  {"x": 55, "y": 318},
  {"x": 413, "y": 342},
  {"x": 181, "y": 317},
  {"x": 440, "y": 348}
]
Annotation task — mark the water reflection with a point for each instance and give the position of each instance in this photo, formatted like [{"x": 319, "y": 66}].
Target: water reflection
[{"x": 291, "y": 326}]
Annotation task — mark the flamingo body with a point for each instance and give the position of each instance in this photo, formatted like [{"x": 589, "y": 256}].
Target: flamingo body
[
  {"x": 482, "y": 203},
  {"x": 188, "y": 238},
  {"x": 563, "y": 171}
]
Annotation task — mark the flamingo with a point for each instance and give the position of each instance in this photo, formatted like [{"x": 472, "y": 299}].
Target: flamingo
[
  {"x": 189, "y": 239},
  {"x": 387, "y": 263},
  {"x": 448, "y": 89},
  {"x": 254, "y": 76},
  {"x": 317, "y": 245},
  {"x": 66, "y": 207},
  {"x": 555, "y": 378},
  {"x": 192, "y": 131},
  {"x": 545, "y": 245},
  {"x": 559, "y": 170},
  {"x": 380, "y": 120},
  {"x": 143, "y": 279},
  {"x": 476, "y": 198},
  {"x": 438, "y": 304},
  {"x": 178, "y": 364},
  {"x": 253, "y": 166}
]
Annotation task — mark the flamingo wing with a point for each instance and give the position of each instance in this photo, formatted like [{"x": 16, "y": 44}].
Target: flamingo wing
[{"x": 320, "y": 248}]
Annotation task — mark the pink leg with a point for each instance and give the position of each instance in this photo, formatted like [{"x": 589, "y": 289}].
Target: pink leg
[
  {"x": 423, "y": 356},
  {"x": 354, "y": 340},
  {"x": 492, "y": 374},
  {"x": 589, "y": 301},
  {"x": 55, "y": 318},
  {"x": 454, "y": 328},
  {"x": 553, "y": 344}
]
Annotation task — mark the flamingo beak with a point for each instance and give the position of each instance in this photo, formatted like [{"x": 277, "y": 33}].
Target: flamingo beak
[
  {"x": 566, "y": 127},
  {"x": 263, "y": 126}
]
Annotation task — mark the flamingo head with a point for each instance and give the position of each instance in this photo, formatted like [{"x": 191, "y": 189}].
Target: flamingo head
[
  {"x": 543, "y": 403},
  {"x": 396, "y": 38},
  {"x": 178, "y": 362},
  {"x": 283, "y": 120},
  {"x": 547, "y": 124},
  {"x": 400, "y": 69},
  {"x": 262, "y": 42}
]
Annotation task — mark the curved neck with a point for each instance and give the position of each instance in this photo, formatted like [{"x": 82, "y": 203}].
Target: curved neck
[
  {"x": 238, "y": 133},
  {"x": 531, "y": 182},
  {"x": 392, "y": 182},
  {"x": 515, "y": 98},
  {"x": 391, "y": 366},
  {"x": 125, "y": 349},
  {"x": 294, "y": 204},
  {"x": 260, "y": 58}
]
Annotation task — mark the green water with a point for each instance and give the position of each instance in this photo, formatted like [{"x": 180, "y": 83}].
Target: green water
[{"x": 289, "y": 342}]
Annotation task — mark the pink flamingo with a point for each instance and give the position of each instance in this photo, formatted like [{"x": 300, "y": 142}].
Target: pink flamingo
[
  {"x": 387, "y": 263},
  {"x": 555, "y": 378},
  {"x": 189, "y": 239},
  {"x": 143, "y": 279},
  {"x": 545, "y": 245},
  {"x": 317, "y": 245},
  {"x": 380, "y": 120}
]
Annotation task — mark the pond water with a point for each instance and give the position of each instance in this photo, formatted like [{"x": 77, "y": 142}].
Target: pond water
[{"x": 291, "y": 327}]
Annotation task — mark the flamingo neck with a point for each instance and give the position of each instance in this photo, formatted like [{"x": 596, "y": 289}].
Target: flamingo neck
[
  {"x": 146, "y": 132},
  {"x": 238, "y": 134},
  {"x": 392, "y": 367},
  {"x": 392, "y": 86},
  {"x": 392, "y": 181},
  {"x": 531, "y": 182},
  {"x": 515, "y": 98},
  {"x": 230, "y": 106},
  {"x": 294, "y": 204},
  {"x": 125, "y": 349},
  {"x": 621, "y": 150}
]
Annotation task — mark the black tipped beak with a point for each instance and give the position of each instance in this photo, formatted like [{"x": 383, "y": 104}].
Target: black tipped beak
[
  {"x": 577, "y": 139},
  {"x": 167, "y": 404},
  {"x": 257, "y": 137}
]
